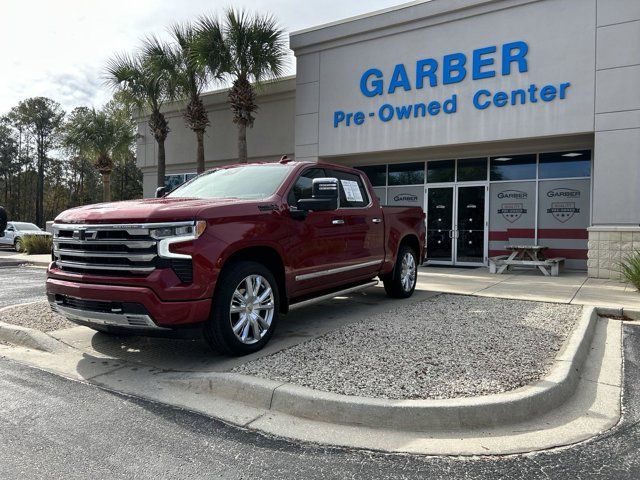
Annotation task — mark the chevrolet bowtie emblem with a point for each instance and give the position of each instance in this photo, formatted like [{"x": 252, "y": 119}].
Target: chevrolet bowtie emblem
[{"x": 84, "y": 234}]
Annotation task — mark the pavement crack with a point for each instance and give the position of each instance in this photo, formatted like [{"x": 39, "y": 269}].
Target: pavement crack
[
  {"x": 508, "y": 277},
  {"x": 578, "y": 290},
  {"x": 600, "y": 383}
]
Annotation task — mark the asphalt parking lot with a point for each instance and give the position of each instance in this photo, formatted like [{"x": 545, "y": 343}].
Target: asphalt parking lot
[
  {"x": 55, "y": 428},
  {"x": 21, "y": 284}
]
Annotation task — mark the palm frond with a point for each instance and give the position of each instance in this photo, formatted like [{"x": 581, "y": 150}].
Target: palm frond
[
  {"x": 209, "y": 48},
  {"x": 256, "y": 46},
  {"x": 189, "y": 75}
]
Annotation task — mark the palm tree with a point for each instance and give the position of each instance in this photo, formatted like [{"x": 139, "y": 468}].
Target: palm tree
[
  {"x": 101, "y": 136},
  {"x": 147, "y": 86},
  {"x": 188, "y": 78},
  {"x": 249, "y": 49}
]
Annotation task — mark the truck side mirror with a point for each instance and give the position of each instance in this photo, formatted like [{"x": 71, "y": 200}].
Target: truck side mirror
[
  {"x": 161, "y": 192},
  {"x": 325, "y": 196}
]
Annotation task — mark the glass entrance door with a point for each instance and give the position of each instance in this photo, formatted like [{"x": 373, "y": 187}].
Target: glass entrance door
[
  {"x": 470, "y": 225},
  {"x": 440, "y": 224},
  {"x": 456, "y": 224}
]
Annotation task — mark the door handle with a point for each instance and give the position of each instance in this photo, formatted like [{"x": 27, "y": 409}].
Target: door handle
[
  {"x": 377, "y": 220},
  {"x": 337, "y": 221}
]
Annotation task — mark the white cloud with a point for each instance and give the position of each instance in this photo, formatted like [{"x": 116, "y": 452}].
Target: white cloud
[{"x": 58, "y": 48}]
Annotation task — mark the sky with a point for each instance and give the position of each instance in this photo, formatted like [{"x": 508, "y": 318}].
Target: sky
[{"x": 58, "y": 48}]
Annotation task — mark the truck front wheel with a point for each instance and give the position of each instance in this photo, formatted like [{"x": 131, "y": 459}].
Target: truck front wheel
[
  {"x": 245, "y": 309},
  {"x": 402, "y": 281}
]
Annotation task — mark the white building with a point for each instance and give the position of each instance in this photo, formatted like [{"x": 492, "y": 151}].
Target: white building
[{"x": 509, "y": 121}]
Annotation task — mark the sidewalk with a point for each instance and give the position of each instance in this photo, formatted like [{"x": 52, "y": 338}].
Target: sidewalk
[{"x": 570, "y": 287}]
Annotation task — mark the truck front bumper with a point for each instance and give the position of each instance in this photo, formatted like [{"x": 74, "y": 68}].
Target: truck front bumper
[{"x": 125, "y": 309}]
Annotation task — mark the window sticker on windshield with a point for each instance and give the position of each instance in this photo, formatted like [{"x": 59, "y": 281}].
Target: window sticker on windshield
[{"x": 351, "y": 191}]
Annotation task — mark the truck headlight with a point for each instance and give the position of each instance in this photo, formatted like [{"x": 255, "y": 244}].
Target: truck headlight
[
  {"x": 194, "y": 230},
  {"x": 179, "y": 234}
]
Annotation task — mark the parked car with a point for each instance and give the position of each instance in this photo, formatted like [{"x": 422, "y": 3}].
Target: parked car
[
  {"x": 3, "y": 220},
  {"x": 16, "y": 231},
  {"x": 230, "y": 251}
]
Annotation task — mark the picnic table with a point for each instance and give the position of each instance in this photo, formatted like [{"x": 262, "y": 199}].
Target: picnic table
[{"x": 526, "y": 255}]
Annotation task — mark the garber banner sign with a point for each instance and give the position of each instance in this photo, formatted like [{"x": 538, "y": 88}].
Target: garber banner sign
[{"x": 454, "y": 68}]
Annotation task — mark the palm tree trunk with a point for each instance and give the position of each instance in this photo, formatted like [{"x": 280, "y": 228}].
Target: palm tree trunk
[
  {"x": 200, "y": 154},
  {"x": 161, "y": 163},
  {"x": 242, "y": 143},
  {"x": 106, "y": 187}
]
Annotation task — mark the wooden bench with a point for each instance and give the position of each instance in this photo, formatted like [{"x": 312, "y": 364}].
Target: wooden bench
[{"x": 548, "y": 266}]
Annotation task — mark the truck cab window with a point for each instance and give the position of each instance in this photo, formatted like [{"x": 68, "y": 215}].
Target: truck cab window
[
  {"x": 353, "y": 193},
  {"x": 303, "y": 188}
]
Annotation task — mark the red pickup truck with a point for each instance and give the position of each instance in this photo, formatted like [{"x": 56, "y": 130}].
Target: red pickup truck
[{"x": 230, "y": 251}]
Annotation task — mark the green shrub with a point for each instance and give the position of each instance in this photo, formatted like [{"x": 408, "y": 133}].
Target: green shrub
[
  {"x": 36, "y": 244},
  {"x": 630, "y": 269}
]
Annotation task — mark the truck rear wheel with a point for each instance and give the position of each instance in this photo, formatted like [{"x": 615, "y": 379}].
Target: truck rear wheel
[
  {"x": 402, "y": 281},
  {"x": 245, "y": 309}
]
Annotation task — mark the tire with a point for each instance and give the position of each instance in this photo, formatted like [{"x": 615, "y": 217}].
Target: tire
[
  {"x": 253, "y": 330},
  {"x": 401, "y": 283},
  {"x": 18, "y": 245}
]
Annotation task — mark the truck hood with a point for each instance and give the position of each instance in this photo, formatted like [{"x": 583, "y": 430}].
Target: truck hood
[{"x": 146, "y": 210}]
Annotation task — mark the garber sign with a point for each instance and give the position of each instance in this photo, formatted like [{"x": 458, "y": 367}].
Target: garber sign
[{"x": 454, "y": 68}]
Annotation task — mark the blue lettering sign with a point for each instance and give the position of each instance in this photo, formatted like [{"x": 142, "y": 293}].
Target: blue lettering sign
[
  {"x": 453, "y": 69},
  {"x": 399, "y": 79},
  {"x": 482, "y": 63},
  {"x": 371, "y": 88},
  {"x": 479, "y": 61},
  {"x": 426, "y": 68},
  {"x": 508, "y": 57}
]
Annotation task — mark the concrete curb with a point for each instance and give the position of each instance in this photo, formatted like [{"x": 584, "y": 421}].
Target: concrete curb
[
  {"x": 11, "y": 262},
  {"x": 28, "y": 337},
  {"x": 414, "y": 415},
  {"x": 16, "y": 262},
  {"x": 632, "y": 313}
]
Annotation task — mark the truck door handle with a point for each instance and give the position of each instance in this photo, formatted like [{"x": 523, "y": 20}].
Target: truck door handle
[
  {"x": 377, "y": 220},
  {"x": 337, "y": 221}
]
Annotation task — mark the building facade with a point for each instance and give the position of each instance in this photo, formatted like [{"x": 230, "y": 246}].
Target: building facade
[{"x": 508, "y": 121}]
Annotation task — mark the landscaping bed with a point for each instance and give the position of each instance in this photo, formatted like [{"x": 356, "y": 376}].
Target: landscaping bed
[
  {"x": 35, "y": 315},
  {"x": 447, "y": 347}
]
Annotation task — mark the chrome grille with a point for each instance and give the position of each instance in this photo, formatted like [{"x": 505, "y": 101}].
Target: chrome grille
[{"x": 120, "y": 249}]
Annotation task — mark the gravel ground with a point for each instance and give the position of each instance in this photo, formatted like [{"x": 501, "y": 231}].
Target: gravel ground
[
  {"x": 450, "y": 346},
  {"x": 36, "y": 315}
]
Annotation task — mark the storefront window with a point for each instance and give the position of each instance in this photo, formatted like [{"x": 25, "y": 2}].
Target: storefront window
[
  {"x": 565, "y": 164},
  {"x": 377, "y": 174},
  {"x": 441, "y": 171},
  {"x": 472, "y": 169},
  {"x": 513, "y": 167},
  {"x": 406, "y": 173}
]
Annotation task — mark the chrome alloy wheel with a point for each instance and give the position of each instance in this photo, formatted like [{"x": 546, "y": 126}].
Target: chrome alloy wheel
[
  {"x": 408, "y": 271},
  {"x": 251, "y": 309}
]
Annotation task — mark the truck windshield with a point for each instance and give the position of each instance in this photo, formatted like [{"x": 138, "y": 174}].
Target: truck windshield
[{"x": 244, "y": 182}]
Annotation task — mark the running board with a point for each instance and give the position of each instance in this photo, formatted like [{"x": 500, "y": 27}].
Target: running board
[{"x": 328, "y": 296}]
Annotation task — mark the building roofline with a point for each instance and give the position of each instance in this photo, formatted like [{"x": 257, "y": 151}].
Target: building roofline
[
  {"x": 267, "y": 85},
  {"x": 355, "y": 18},
  {"x": 406, "y": 16},
  {"x": 281, "y": 86}
]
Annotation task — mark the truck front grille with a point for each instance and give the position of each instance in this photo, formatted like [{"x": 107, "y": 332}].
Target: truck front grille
[{"x": 112, "y": 250}]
